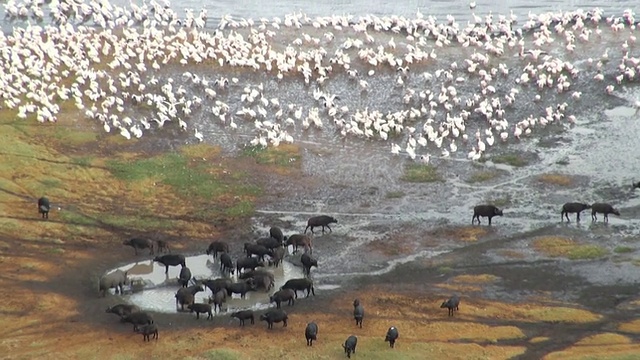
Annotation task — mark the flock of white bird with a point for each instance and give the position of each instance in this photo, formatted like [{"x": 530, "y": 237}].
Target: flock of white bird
[{"x": 118, "y": 71}]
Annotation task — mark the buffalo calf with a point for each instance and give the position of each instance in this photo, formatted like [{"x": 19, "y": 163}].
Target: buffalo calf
[{"x": 147, "y": 331}]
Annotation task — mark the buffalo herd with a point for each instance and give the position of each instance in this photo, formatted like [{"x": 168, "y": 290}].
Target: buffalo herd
[{"x": 252, "y": 277}]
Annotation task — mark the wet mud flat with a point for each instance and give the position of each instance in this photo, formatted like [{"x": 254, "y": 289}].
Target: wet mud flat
[{"x": 527, "y": 256}]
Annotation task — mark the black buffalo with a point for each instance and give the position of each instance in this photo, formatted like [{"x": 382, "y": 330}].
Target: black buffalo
[
  {"x": 44, "y": 207},
  {"x": 603, "y": 208},
  {"x": 488, "y": 211},
  {"x": 322, "y": 220},
  {"x": 311, "y": 333},
  {"x": 573, "y": 207},
  {"x": 451, "y": 304},
  {"x": 170, "y": 260}
]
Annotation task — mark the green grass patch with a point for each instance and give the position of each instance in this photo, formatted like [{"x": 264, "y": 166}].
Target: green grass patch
[
  {"x": 242, "y": 208},
  {"x": 395, "y": 194},
  {"x": 71, "y": 135},
  {"x": 222, "y": 354},
  {"x": 586, "y": 252},
  {"x": 51, "y": 183},
  {"x": 510, "y": 159},
  {"x": 421, "y": 173},
  {"x": 83, "y": 161},
  {"x": 186, "y": 176},
  {"x": 56, "y": 251},
  {"x": 140, "y": 221},
  {"x": 482, "y": 176},
  {"x": 623, "y": 249},
  {"x": 283, "y": 155},
  {"x": 63, "y": 132},
  {"x": 160, "y": 167},
  {"x": 612, "y": 357},
  {"x": 200, "y": 151},
  {"x": 9, "y": 225},
  {"x": 76, "y": 218},
  {"x": 144, "y": 223},
  {"x": 557, "y": 246}
]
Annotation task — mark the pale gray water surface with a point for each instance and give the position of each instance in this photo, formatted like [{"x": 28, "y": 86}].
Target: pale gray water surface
[{"x": 152, "y": 289}]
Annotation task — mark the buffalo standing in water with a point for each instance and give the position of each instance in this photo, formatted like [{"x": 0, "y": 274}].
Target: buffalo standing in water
[
  {"x": 603, "y": 208},
  {"x": 322, "y": 220},
  {"x": 572, "y": 207},
  {"x": 488, "y": 211}
]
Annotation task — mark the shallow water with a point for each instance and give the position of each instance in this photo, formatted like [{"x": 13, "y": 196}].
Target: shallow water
[
  {"x": 255, "y": 9},
  {"x": 158, "y": 291}
]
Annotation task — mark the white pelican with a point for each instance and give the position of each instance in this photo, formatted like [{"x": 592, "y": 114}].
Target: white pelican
[{"x": 198, "y": 135}]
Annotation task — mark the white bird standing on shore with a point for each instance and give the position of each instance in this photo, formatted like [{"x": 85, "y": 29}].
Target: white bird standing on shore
[
  {"x": 198, "y": 135},
  {"x": 395, "y": 149}
]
